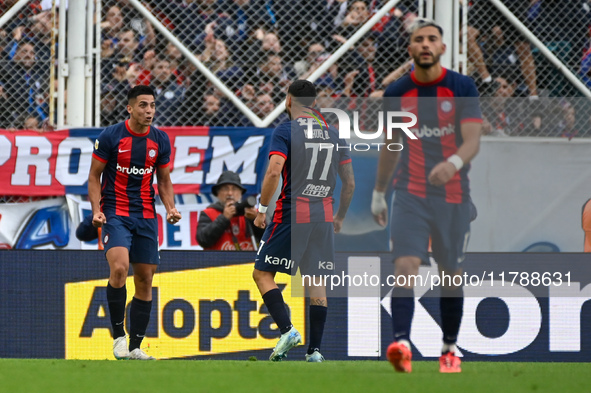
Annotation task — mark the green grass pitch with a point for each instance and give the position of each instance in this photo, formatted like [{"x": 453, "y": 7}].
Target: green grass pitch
[{"x": 59, "y": 376}]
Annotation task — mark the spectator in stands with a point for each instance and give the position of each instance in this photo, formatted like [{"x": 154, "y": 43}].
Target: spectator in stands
[
  {"x": 363, "y": 80},
  {"x": 304, "y": 66},
  {"x": 31, "y": 123},
  {"x": 145, "y": 68},
  {"x": 174, "y": 55},
  {"x": 270, "y": 43},
  {"x": 393, "y": 41},
  {"x": 210, "y": 112},
  {"x": 496, "y": 111},
  {"x": 217, "y": 58},
  {"x": 221, "y": 225},
  {"x": 128, "y": 47},
  {"x": 483, "y": 18},
  {"x": 187, "y": 17},
  {"x": 264, "y": 43},
  {"x": 41, "y": 35},
  {"x": 169, "y": 94},
  {"x": 4, "y": 41},
  {"x": 111, "y": 108},
  {"x": 300, "y": 23},
  {"x": 329, "y": 16},
  {"x": 27, "y": 85},
  {"x": 262, "y": 106},
  {"x": 141, "y": 26},
  {"x": 123, "y": 17},
  {"x": 272, "y": 68},
  {"x": 567, "y": 127},
  {"x": 563, "y": 26},
  {"x": 246, "y": 17},
  {"x": 5, "y": 114},
  {"x": 112, "y": 24},
  {"x": 35, "y": 29},
  {"x": 122, "y": 63},
  {"x": 357, "y": 15}
]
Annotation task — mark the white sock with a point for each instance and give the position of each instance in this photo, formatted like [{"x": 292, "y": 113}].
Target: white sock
[
  {"x": 448, "y": 348},
  {"x": 488, "y": 79},
  {"x": 404, "y": 342}
]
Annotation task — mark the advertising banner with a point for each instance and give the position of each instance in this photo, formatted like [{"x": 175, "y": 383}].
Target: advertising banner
[
  {"x": 207, "y": 306},
  {"x": 57, "y": 163}
]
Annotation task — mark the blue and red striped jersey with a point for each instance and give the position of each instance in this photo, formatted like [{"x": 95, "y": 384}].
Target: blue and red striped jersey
[
  {"x": 313, "y": 154},
  {"x": 440, "y": 107},
  {"x": 131, "y": 160}
]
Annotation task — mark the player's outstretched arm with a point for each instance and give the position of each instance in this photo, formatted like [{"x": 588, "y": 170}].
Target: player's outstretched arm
[
  {"x": 270, "y": 183},
  {"x": 167, "y": 194},
  {"x": 348, "y": 180},
  {"x": 94, "y": 191},
  {"x": 386, "y": 166},
  {"x": 445, "y": 170}
]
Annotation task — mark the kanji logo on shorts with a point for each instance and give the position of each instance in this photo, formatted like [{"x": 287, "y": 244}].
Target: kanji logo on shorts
[
  {"x": 279, "y": 261},
  {"x": 326, "y": 265}
]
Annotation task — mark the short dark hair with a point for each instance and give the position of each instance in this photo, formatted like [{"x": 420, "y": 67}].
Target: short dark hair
[
  {"x": 420, "y": 23},
  {"x": 303, "y": 91},
  {"x": 139, "y": 90}
]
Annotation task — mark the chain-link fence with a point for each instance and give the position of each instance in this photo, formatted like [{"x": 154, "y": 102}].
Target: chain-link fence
[
  {"x": 256, "y": 48},
  {"x": 25, "y": 63},
  {"x": 506, "y": 66}
]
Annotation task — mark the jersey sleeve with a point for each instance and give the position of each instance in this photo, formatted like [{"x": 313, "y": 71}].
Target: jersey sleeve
[
  {"x": 280, "y": 140},
  {"x": 103, "y": 146},
  {"x": 163, "y": 151},
  {"x": 470, "y": 104}
]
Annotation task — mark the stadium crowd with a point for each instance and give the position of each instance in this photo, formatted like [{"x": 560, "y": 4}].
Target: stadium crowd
[{"x": 257, "y": 47}]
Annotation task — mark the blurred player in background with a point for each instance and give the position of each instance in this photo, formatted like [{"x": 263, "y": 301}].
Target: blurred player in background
[
  {"x": 305, "y": 155},
  {"x": 586, "y": 222},
  {"x": 432, "y": 197},
  {"x": 127, "y": 155}
]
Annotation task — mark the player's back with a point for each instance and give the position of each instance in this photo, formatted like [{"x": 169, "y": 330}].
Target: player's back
[{"x": 314, "y": 153}]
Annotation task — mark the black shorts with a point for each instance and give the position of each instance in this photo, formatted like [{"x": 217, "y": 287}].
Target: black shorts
[
  {"x": 138, "y": 235},
  {"x": 483, "y": 15},
  {"x": 285, "y": 247},
  {"x": 414, "y": 220}
]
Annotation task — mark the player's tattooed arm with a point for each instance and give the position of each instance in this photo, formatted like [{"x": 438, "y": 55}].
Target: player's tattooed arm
[
  {"x": 318, "y": 302},
  {"x": 348, "y": 179}
]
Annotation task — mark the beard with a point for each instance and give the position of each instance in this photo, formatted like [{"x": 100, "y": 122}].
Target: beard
[{"x": 426, "y": 65}]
